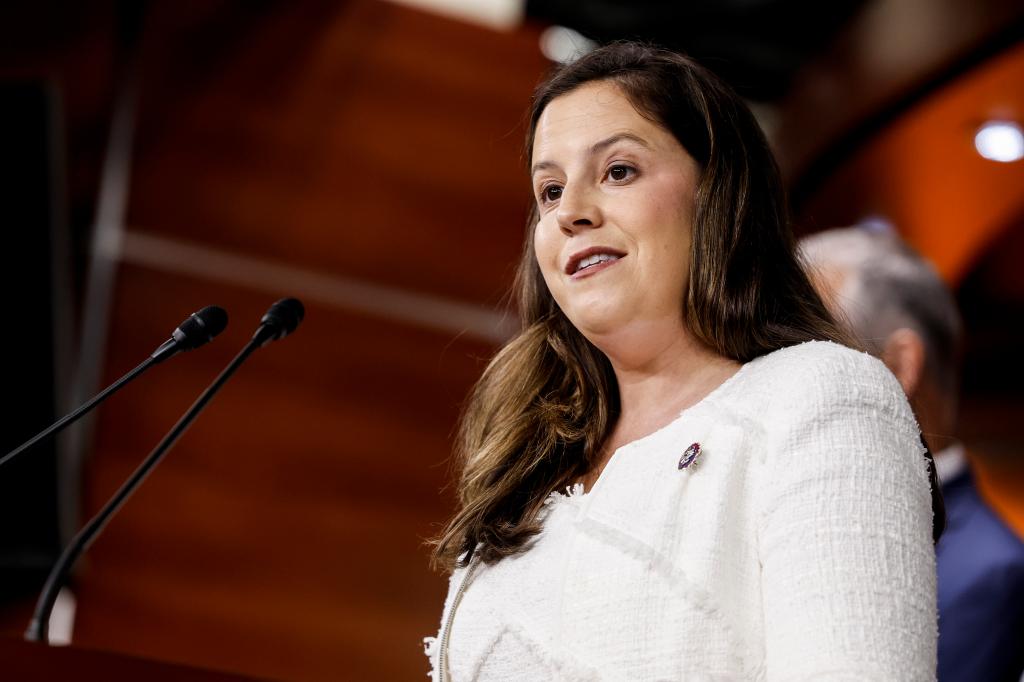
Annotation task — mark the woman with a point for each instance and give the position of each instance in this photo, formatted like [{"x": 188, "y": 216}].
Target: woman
[{"x": 671, "y": 473}]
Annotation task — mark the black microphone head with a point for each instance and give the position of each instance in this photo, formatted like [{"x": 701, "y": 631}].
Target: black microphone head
[
  {"x": 283, "y": 317},
  {"x": 201, "y": 327}
]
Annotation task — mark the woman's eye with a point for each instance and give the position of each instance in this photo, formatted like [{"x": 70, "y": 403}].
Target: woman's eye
[
  {"x": 550, "y": 193},
  {"x": 619, "y": 172}
]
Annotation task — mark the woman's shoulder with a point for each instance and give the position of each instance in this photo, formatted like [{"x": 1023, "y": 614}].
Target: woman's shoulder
[
  {"x": 825, "y": 359},
  {"x": 817, "y": 377}
]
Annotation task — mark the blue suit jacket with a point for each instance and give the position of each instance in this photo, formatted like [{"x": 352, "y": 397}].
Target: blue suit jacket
[{"x": 981, "y": 591}]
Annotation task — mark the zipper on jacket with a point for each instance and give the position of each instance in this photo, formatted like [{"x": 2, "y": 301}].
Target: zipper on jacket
[{"x": 442, "y": 654}]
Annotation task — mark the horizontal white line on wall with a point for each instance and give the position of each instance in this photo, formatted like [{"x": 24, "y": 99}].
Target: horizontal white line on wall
[{"x": 389, "y": 303}]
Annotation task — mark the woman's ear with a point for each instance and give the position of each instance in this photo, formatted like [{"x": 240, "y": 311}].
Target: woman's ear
[{"x": 903, "y": 354}]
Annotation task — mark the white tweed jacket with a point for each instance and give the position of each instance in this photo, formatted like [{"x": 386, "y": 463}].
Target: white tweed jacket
[{"x": 797, "y": 547}]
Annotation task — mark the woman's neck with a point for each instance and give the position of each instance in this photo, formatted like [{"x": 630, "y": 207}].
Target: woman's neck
[
  {"x": 650, "y": 401},
  {"x": 658, "y": 381}
]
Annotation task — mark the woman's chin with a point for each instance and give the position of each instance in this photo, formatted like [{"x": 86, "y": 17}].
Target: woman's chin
[
  {"x": 599, "y": 322},
  {"x": 598, "y": 316}
]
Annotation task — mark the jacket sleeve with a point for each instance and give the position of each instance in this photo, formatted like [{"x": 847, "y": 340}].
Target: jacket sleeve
[{"x": 844, "y": 529}]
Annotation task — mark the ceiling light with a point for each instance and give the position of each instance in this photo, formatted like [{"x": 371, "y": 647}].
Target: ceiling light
[
  {"x": 503, "y": 15},
  {"x": 564, "y": 45},
  {"x": 1000, "y": 141}
]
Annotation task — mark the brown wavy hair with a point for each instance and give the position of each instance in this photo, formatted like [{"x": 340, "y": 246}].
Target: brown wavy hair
[{"x": 536, "y": 420}]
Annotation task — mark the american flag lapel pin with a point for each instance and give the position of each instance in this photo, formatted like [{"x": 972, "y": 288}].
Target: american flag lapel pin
[{"x": 690, "y": 456}]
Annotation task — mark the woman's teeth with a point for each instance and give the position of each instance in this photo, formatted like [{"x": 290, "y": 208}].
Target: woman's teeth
[{"x": 594, "y": 260}]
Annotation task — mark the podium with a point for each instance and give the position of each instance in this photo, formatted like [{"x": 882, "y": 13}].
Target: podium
[{"x": 27, "y": 662}]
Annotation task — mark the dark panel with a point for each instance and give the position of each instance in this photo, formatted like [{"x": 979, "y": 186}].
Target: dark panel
[
  {"x": 756, "y": 46},
  {"x": 29, "y": 200}
]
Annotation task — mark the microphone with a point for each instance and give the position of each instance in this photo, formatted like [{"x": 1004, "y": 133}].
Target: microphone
[
  {"x": 198, "y": 329},
  {"x": 280, "y": 320}
]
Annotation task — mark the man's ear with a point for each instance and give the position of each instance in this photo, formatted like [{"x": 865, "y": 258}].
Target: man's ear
[{"x": 903, "y": 354}]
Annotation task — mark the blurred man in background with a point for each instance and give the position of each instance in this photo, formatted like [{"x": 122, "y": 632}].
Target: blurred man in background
[{"x": 899, "y": 308}]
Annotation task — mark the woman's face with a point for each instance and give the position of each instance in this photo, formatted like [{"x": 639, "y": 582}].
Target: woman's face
[{"x": 615, "y": 195}]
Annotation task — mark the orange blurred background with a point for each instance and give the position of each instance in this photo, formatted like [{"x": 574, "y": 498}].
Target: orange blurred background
[{"x": 365, "y": 156}]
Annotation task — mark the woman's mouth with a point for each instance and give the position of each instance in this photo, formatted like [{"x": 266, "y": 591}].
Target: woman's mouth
[
  {"x": 591, "y": 261},
  {"x": 594, "y": 260}
]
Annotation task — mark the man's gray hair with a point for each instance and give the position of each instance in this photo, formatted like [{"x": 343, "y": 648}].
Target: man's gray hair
[{"x": 886, "y": 286}]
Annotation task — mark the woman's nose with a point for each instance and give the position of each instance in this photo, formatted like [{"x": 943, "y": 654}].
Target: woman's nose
[{"x": 577, "y": 210}]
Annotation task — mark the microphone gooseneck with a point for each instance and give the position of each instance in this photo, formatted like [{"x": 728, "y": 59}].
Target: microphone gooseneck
[
  {"x": 280, "y": 320},
  {"x": 199, "y": 328}
]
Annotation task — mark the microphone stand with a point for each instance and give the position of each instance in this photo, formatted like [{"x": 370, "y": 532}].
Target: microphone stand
[
  {"x": 198, "y": 329},
  {"x": 72, "y": 417},
  {"x": 38, "y": 627}
]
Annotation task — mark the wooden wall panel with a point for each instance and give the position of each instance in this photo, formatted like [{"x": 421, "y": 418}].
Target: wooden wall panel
[
  {"x": 924, "y": 175},
  {"x": 283, "y": 536},
  {"x": 392, "y": 137},
  {"x": 881, "y": 63}
]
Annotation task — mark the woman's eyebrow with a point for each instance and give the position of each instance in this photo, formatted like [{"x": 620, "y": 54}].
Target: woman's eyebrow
[
  {"x": 618, "y": 137},
  {"x": 542, "y": 165},
  {"x": 596, "y": 148}
]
